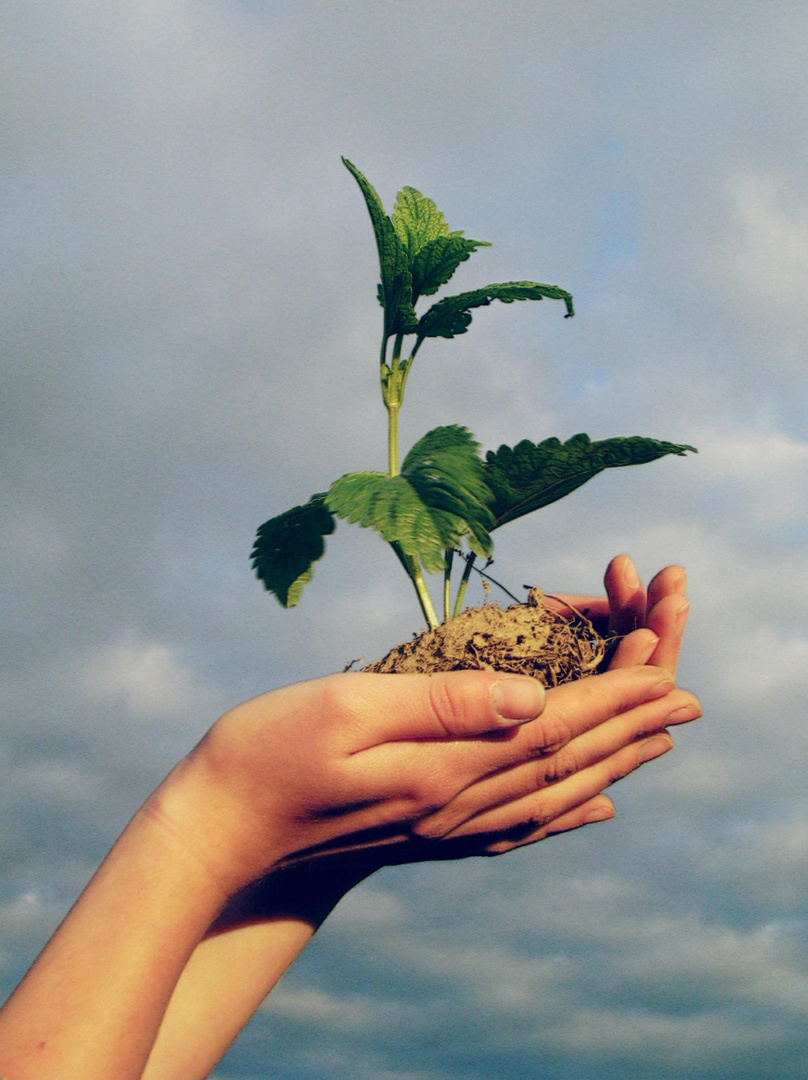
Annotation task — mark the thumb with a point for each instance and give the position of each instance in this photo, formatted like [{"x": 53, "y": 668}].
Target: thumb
[{"x": 453, "y": 704}]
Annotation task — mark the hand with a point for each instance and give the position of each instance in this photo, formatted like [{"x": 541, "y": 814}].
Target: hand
[
  {"x": 549, "y": 780},
  {"x": 628, "y": 611},
  {"x": 354, "y": 762},
  {"x": 652, "y": 624}
]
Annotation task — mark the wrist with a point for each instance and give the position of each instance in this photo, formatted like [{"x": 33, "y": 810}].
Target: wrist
[
  {"x": 213, "y": 825},
  {"x": 112, "y": 965}
]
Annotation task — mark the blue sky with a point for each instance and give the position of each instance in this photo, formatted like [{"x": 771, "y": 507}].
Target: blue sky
[{"x": 190, "y": 341}]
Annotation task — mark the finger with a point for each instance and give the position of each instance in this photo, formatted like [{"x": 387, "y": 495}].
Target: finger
[
  {"x": 599, "y": 744},
  {"x": 594, "y": 608},
  {"x": 601, "y": 808},
  {"x": 425, "y": 773},
  {"x": 577, "y": 707},
  {"x": 417, "y": 849},
  {"x": 453, "y": 704},
  {"x": 627, "y": 600},
  {"x": 636, "y": 648},
  {"x": 670, "y": 581},
  {"x": 526, "y": 820},
  {"x": 668, "y": 619}
]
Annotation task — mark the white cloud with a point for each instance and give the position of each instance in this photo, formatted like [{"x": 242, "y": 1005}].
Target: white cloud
[
  {"x": 695, "y": 1042},
  {"x": 766, "y": 250},
  {"x": 147, "y": 677},
  {"x": 325, "y": 1010},
  {"x": 769, "y": 471}
]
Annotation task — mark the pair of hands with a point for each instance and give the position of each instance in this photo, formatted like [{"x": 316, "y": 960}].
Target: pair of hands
[
  {"x": 342, "y": 775},
  {"x": 219, "y": 880}
]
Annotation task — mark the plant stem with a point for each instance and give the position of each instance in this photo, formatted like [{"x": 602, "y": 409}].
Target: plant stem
[
  {"x": 448, "y": 556},
  {"x": 392, "y": 440},
  {"x": 417, "y": 578},
  {"x": 424, "y": 598},
  {"x": 466, "y": 574},
  {"x": 461, "y": 589},
  {"x": 393, "y": 379}
]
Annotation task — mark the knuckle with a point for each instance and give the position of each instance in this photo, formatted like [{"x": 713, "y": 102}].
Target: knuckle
[
  {"x": 616, "y": 771},
  {"x": 549, "y": 733},
  {"x": 446, "y": 704},
  {"x": 515, "y": 836},
  {"x": 559, "y": 766},
  {"x": 431, "y": 827},
  {"x": 430, "y": 793}
]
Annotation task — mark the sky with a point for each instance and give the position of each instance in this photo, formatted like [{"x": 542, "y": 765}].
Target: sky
[{"x": 189, "y": 341}]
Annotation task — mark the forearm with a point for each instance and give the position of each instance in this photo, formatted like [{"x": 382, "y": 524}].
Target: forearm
[
  {"x": 92, "y": 1003},
  {"x": 248, "y": 948},
  {"x": 224, "y": 982}
]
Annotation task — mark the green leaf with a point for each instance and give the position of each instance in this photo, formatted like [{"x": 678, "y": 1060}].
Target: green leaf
[
  {"x": 530, "y": 476},
  {"x": 417, "y": 220},
  {"x": 452, "y": 315},
  {"x": 445, "y": 469},
  {"x": 437, "y": 261},
  {"x": 287, "y": 546},
  {"x": 439, "y": 498},
  {"x": 395, "y": 290},
  {"x": 433, "y": 252}
]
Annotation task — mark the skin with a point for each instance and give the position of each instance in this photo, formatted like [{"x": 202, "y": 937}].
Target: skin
[{"x": 224, "y": 874}]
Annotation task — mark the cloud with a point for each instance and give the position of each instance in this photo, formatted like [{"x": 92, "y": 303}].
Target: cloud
[
  {"x": 326, "y": 1010},
  {"x": 191, "y": 334},
  {"x": 765, "y": 256},
  {"x": 150, "y": 682}
]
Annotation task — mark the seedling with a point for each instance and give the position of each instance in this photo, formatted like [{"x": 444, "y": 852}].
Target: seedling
[{"x": 444, "y": 498}]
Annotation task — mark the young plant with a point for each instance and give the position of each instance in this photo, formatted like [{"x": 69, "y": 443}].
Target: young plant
[{"x": 443, "y": 496}]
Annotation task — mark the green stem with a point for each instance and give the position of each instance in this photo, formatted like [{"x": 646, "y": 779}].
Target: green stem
[
  {"x": 393, "y": 378},
  {"x": 461, "y": 589},
  {"x": 392, "y": 440},
  {"x": 417, "y": 578},
  {"x": 448, "y": 557},
  {"x": 424, "y": 598}
]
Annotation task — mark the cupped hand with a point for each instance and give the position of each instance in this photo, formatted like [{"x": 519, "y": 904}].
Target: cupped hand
[
  {"x": 639, "y": 617},
  {"x": 360, "y": 762}
]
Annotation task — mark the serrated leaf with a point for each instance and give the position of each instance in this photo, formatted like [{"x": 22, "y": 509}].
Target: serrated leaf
[
  {"x": 452, "y": 315},
  {"x": 392, "y": 507},
  {"x": 532, "y": 475},
  {"x": 445, "y": 468},
  {"x": 395, "y": 289},
  {"x": 439, "y": 498},
  {"x": 417, "y": 220},
  {"x": 287, "y": 546},
  {"x": 436, "y": 261}
]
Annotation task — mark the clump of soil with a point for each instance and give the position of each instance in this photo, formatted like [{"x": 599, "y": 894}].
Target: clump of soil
[{"x": 525, "y": 639}]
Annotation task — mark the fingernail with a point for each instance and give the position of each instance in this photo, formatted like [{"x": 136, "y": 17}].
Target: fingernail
[
  {"x": 682, "y": 610},
  {"x": 659, "y": 688},
  {"x": 629, "y": 574},
  {"x": 517, "y": 700},
  {"x": 654, "y": 748},
  {"x": 602, "y": 813},
  {"x": 648, "y": 650},
  {"x": 685, "y": 713}
]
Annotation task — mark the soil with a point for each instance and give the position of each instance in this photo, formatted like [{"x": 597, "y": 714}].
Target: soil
[{"x": 526, "y": 639}]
